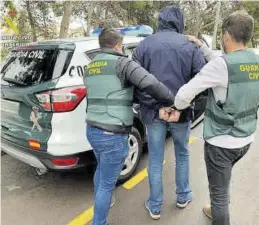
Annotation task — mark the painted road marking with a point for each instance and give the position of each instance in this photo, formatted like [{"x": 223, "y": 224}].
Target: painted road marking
[
  {"x": 143, "y": 174},
  {"x": 140, "y": 176},
  {"x": 192, "y": 139},
  {"x": 88, "y": 214},
  {"x": 131, "y": 183},
  {"x": 83, "y": 218}
]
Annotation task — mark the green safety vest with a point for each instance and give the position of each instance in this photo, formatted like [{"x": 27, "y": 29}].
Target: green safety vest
[
  {"x": 108, "y": 101},
  {"x": 237, "y": 116}
]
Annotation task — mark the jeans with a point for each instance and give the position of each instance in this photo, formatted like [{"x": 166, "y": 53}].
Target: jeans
[
  {"x": 219, "y": 164},
  {"x": 157, "y": 131},
  {"x": 110, "y": 151}
]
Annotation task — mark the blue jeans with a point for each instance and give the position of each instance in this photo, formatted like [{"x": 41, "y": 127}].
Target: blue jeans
[
  {"x": 110, "y": 151},
  {"x": 156, "y": 143}
]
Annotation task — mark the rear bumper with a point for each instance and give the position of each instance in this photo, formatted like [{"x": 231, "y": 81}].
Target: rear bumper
[
  {"x": 42, "y": 160},
  {"x": 22, "y": 156}
]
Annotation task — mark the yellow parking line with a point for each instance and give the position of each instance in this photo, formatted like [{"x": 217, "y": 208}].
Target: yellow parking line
[
  {"x": 192, "y": 139},
  {"x": 83, "y": 218},
  {"x": 131, "y": 183},
  {"x": 140, "y": 176},
  {"x": 88, "y": 214}
]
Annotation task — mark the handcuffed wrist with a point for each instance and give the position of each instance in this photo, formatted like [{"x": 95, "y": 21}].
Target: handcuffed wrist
[{"x": 174, "y": 107}]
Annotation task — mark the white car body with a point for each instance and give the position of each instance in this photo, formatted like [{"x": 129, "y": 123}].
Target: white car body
[{"x": 61, "y": 141}]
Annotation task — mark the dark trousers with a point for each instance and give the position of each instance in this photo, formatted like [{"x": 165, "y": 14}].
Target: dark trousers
[{"x": 219, "y": 164}]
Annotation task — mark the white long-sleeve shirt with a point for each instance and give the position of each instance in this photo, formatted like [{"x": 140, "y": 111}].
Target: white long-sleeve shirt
[{"x": 213, "y": 75}]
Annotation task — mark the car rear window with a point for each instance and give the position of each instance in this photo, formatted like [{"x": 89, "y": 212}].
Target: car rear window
[{"x": 30, "y": 67}]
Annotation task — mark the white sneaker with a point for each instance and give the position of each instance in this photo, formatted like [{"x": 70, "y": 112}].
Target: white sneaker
[
  {"x": 184, "y": 204},
  {"x": 153, "y": 215}
]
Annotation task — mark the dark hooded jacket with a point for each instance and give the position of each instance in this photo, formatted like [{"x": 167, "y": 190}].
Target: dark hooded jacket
[{"x": 170, "y": 57}]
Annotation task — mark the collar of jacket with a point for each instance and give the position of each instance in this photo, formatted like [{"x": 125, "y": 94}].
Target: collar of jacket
[{"x": 112, "y": 52}]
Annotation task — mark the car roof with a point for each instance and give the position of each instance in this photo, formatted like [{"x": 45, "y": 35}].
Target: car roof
[
  {"x": 84, "y": 39},
  {"x": 256, "y": 50},
  {"x": 84, "y": 43},
  {"x": 91, "y": 44}
]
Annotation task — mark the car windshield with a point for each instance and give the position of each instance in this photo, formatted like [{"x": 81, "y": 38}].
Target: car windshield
[{"x": 29, "y": 67}]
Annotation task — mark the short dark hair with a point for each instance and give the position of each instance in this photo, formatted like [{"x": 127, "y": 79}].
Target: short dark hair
[
  {"x": 109, "y": 37},
  {"x": 239, "y": 25}
]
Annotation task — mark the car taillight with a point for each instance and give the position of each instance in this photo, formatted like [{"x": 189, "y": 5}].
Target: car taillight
[
  {"x": 65, "y": 162},
  {"x": 61, "y": 100}
]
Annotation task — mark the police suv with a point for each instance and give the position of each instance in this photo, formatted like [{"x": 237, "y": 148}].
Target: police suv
[{"x": 43, "y": 106}]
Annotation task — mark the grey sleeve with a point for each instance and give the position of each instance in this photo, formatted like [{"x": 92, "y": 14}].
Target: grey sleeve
[
  {"x": 208, "y": 53},
  {"x": 198, "y": 61},
  {"x": 132, "y": 73},
  {"x": 213, "y": 74}
]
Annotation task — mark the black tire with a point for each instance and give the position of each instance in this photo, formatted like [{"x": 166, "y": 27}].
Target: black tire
[{"x": 135, "y": 133}]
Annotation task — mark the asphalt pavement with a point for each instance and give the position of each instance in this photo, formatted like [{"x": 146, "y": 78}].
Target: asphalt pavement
[{"x": 66, "y": 199}]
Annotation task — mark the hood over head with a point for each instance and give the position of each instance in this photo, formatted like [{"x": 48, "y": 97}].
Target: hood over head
[{"x": 171, "y": 18}]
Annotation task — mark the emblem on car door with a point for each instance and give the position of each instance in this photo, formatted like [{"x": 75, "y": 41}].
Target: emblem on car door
[{"x": 34, "y": 117}]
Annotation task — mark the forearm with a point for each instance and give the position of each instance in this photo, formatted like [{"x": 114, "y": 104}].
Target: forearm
[
  {"x": 156, "y": 89},
  {"x": 144, "y": 81},
  {"x": 152, "y": 104},
  {"x": 214, "y": 74},
  {"x": 187, "y": 93}
]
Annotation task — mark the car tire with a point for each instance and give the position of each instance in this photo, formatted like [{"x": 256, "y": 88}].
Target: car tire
[{"x": 135, "y": 152}]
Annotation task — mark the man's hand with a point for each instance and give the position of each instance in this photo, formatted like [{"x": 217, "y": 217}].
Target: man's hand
[
  {"x": 169, "y": 114},
  {"x": 174, "y": 116},
  {"x": 194, "y": 40},
  {"x": 164, "y": 113}
]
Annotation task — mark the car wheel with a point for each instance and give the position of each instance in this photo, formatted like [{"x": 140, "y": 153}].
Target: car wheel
[{"x": 133, "y": 158}]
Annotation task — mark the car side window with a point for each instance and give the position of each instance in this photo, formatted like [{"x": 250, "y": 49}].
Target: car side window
[
  {"x": 126, "y": 50},
  {"x": 129, "y": 51},
  {"x": 92, "y": 54}
]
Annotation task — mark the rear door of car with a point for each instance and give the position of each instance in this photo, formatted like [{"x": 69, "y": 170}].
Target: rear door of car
[{"x": 27, "y": 79}]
